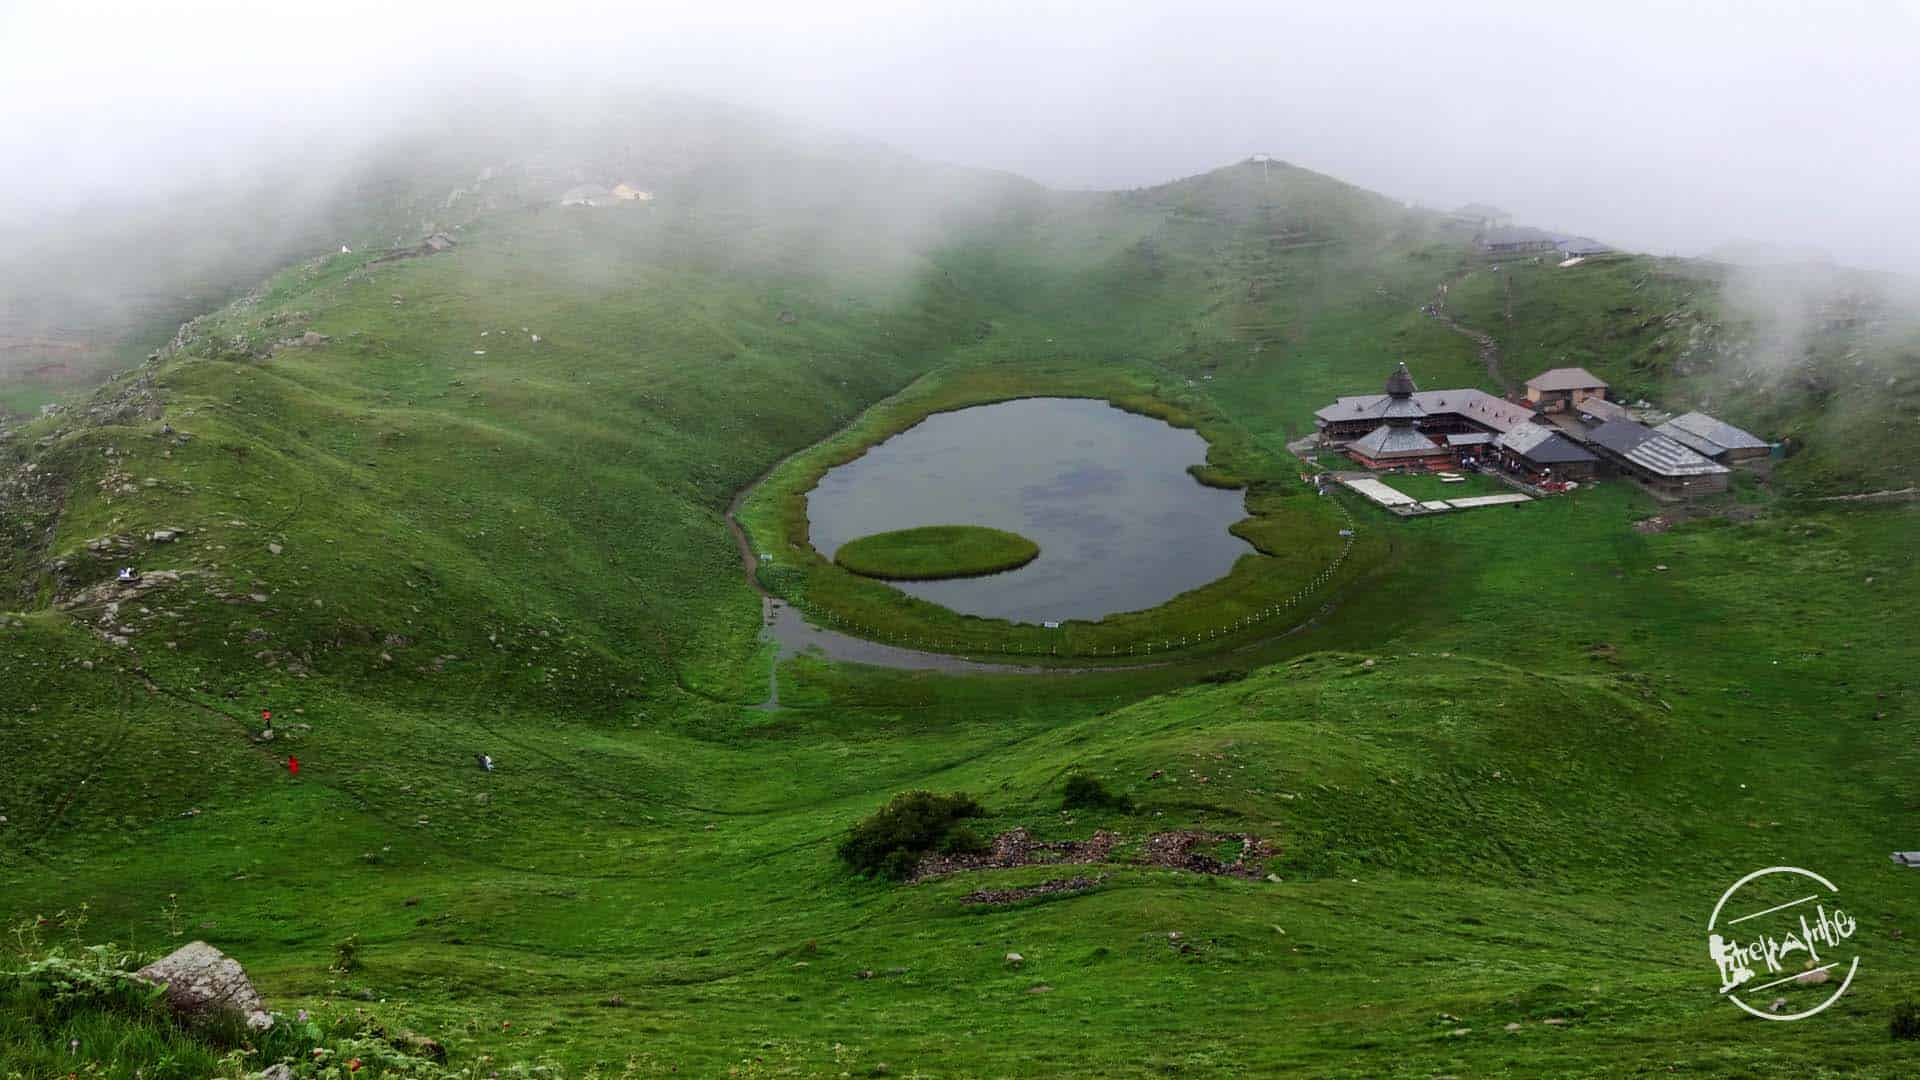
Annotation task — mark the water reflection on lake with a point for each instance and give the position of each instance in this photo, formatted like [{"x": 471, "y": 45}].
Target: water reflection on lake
[{"x": 1120, "y": 523}]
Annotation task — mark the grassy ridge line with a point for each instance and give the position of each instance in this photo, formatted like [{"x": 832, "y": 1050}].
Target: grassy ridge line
[
  {"x": 1534, "y": 837},
  {"x": 1296, "y": 537},
  {"x": 936, "y": 552}
]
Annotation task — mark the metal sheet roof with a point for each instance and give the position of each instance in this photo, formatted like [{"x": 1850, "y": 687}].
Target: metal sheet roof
[
  {"x": 1542, "y": 445},
  {"x": 1566, "y": 378},
  {"x": 1516, "y": 234},
  {"x": 1603, "y": 410},
  {"x": 1401, "y": 381},
  {"x": 1707, "y": 435},
  {"x": 1475, "y": 405},
  {"x": 1472, "y": 438},
  {"x": 1652, "y": 451},
  {"x": 1393, "y": 440}
]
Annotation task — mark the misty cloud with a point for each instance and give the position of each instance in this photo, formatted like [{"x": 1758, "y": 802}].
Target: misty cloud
[{"x": 1658, "y": 126}]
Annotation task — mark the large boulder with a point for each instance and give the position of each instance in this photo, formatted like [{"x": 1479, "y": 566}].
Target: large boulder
[{"x": 202, "y": 982}]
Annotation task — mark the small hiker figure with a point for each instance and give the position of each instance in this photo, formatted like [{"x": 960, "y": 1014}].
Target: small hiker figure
[
  {"x": 293, "y": 765},
  {"x": 266, "y": 730},
  {"x": 485, "y": 761}
]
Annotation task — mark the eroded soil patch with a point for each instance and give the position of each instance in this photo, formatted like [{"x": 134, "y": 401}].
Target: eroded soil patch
[{"x": 1191, "y": 850}]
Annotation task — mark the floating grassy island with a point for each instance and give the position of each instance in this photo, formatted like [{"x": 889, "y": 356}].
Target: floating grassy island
[{"x": 935, "y": 552}]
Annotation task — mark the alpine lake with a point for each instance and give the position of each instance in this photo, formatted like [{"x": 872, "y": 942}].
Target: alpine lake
[{"x": 1106, "y": 494}]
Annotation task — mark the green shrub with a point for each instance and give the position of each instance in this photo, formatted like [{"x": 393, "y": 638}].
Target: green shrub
[
  {"x": 962, "y": 840},
  {"x": 892, "y": 840},
  {"x": 1084, "y": 791},
  {"x": 346, "y": 955},
  {"x": 1906, "y": 1020}
]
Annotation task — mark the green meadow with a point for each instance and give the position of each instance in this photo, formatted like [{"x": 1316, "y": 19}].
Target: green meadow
[{"x": 1507, "y": 760}]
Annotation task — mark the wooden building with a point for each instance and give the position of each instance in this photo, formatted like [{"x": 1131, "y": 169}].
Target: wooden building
[
  {"x": 1516, "y": 240},
  {"x": 1558, "y": 388},
  {"x": 1396, "y": 441},
  {"x": 1656, "y": 461},
  {"x": 1540, "y": 452},
  {"x": 1714, "y": 439},
  {"x": 1442, "y": 412}
]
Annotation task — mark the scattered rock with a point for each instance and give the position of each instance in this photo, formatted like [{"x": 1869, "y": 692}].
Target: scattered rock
[
  {"x": 1814, "y": 978},
  {"x": 1016, "y": 959},
  {"x": 421, "y": 1046},
  {"x": 1028, "y": 892},
  {"x": 1556, "y": 1021},
  {"x": 279, "y": 1071},
  {"x": 788, "y": 318},
  {"x": 275, "y": 549},
  {"x": 1040, "y": 988},
  {"x": 1662, "y": 567},
  {"x": 1513, "y": 1027},
  {"x": 1779, "y": 1005},
  {"x": 202, "y": 982},
  {"x": 1170, "y": 850},
  {"x": 164, "y": 536}
]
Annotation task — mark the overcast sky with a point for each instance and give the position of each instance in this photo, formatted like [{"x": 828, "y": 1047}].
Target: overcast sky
[{"x": 1668, "y": 127}]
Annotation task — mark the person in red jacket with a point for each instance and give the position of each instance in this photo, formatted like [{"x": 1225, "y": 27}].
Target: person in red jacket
[{"x": 293, "y": 765}]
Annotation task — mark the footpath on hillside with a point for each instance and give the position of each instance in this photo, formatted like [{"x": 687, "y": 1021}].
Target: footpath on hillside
[{"x": 1436, "y": 309}]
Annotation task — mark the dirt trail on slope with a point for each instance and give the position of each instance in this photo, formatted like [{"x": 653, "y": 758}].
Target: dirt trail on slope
[
  {"x": 1889, "y": 495},
  {"x": 1489, "y": 348}
]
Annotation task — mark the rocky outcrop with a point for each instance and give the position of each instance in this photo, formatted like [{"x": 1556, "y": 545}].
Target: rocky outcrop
[
  {"x": 204, "y": 983},
  {"x": 307, "y": 340}
]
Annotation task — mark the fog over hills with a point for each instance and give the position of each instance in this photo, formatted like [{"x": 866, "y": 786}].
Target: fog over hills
[
  {"x": 413, "y": 587},
  {"x": 1662, "y": 127}
]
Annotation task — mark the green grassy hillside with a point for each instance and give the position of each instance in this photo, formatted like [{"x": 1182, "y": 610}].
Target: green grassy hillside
[{"x": 1504, "y": 773}]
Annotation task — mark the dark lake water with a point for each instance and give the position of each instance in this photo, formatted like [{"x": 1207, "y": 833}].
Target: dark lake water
[{"x": 1120, "y": 523}]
